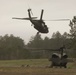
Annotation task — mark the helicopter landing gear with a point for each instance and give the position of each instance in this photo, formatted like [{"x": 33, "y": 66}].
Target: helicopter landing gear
[{"x": 37, "y": 33}]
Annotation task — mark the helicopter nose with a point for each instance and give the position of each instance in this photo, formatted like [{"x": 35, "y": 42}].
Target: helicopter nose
[{"x": 47, "y": 31}]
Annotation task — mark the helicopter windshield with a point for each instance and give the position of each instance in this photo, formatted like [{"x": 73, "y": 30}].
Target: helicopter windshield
[{"x": 43, "y": 24}]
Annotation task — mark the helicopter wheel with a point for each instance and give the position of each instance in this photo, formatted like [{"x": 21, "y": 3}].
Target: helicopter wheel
[{"x": 37, "y": 33}]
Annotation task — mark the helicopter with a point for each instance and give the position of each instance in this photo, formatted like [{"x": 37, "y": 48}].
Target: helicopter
[
  {"x": 39, "y": 24},
  {"x": 59, "y": 59}
]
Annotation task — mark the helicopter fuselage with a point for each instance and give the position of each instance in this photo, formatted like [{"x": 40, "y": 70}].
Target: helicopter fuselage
[{"x": 40, "y": 26}]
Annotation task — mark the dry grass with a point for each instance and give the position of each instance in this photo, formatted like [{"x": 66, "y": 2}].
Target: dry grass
[
  {"x": 36, "y": 71},
  {"x": 36, "y": 67}
]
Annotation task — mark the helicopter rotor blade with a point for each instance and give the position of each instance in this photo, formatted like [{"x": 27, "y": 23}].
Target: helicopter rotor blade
[
  {"x": 59, "y": 20},
  {"x": 55, "y": 20},
  {"x": 41, "y": 14},
  {"x": 43, "y": 49},
  {"x": 24, "y": 18},
  {"x": 21, "y": 18}
]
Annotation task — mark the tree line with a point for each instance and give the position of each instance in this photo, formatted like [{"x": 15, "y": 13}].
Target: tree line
[
  {"x": 56, "y": 41},
  {"x": 12, "y": 47}
]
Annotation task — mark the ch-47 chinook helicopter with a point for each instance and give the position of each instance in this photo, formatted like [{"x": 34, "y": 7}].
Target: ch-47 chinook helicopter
[
  {"x": 59, "y": 59},
  {"x": 39, "y": 25}
]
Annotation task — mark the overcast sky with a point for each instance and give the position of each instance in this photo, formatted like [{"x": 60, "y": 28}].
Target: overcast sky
[{"x": 53, "y": 9}]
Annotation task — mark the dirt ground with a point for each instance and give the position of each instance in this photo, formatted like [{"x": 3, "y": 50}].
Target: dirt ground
[{"x": 36, "y": 71}]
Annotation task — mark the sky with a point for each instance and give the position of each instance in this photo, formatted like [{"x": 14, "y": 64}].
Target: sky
[{"x": 53, "y": 9}]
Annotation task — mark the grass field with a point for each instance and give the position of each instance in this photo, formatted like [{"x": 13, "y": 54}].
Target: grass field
[
  {"x": 19, "y": 63},
  {"x": 36, "y": 67}
]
